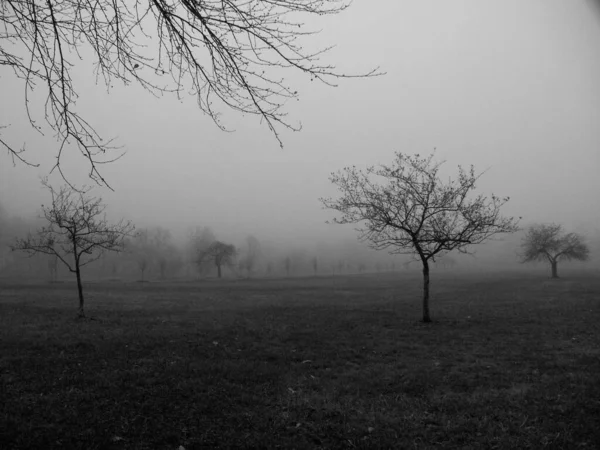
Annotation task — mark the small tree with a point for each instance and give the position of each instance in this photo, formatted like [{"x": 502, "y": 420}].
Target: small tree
[
  {"x": 287, "y": 265},
  {"x": 220, "y": 254},
  {"x": 161, "y": 240},
  {"x": 253, "y": 254},
  {"x": 407, "y": 208},
  {"x": 445, "y": 262},
  {"x": 143, "y": 251},
  {"x": 77, "y": 233},
  {"x": 53, "y": 268},
  {"x": 550, "y": 243},
  {"x": 315, "y": 265},
  {"x": 200, "y": 240}
]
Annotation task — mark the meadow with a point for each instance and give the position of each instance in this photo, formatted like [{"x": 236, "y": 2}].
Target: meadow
[{"x": 512, "y": 360}]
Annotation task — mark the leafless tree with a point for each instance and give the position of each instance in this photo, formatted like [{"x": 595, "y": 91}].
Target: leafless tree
[
  {"x": 287, "y": 265},
  {"x": 253, "y": 254},
  {"x": 220, "y": 254},
  {"x": 407, "y": 208},
  {"x": 550, "y": 243},
  {"x": 445, "y": 262},
  {"x": 77, "y": 232},
  {"x": 53, "y": 268},
  {"x": 226, "y": 53},
  {"x": 332, "y": 266},
  {"x": 153, "y": 247},
  {"x": 200, "y": 239},
  {"x": 143, "y": 251},
  {"x": 161, "y": 240}
]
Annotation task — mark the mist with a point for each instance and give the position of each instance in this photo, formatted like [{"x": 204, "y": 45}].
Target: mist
[{"x": 510, "y": 87}]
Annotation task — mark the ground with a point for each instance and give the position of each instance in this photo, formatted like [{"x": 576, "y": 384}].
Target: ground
[{"x": 511, "y": 361}]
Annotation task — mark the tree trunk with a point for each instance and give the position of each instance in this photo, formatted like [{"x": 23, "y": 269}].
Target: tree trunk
[
  {"x": 554, "y": 265},
  {"x": 219, "y": 270},
  {"x": 426, "y": 316},
  {"x": 79, "y": 290}
]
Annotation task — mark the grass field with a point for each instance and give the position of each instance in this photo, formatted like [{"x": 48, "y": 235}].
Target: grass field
[{"x": 511, "y": 361}]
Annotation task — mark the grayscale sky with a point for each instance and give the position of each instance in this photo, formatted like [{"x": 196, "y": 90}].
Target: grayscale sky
[{"x": 511, "y": 86}]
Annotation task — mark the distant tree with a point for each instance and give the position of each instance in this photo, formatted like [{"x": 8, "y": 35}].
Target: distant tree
[
  {"x": 315, "y": 265},
  {"x": 143, "y": 251},
  {"x": 406, "y": 265},
  {"x": 53, "y": 268},
  {"x": 287, "y": 265},
  {"x": 550, "y": 243},
  {"x": 299, "y": 261},
  {"x": 77, "y": 232},
  {"x": 200, "y": 239},
  {"x": 253, "y": 254},
  {"x": 3, "y": 221},
  {"x": 164, "y": 250},
  {"x": 445, "y": 262},
  {"x": 408, "y": 208},
  {"x": 362, "y": 267},
  {"x": 114, "y": 268},
  {"x": 220, "y": 254},
  {"x": 227, "y": 54},
  {"x": 4, "y": 236}
]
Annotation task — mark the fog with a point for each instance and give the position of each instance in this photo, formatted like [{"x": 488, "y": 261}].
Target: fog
[{"x": 511, "y": 87}]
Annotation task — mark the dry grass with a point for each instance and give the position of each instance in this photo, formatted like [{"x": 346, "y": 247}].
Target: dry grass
[{"x": 511, "y": 361}]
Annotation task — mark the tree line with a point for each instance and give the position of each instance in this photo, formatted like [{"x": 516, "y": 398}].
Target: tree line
[{"x": 404, "y": 208}]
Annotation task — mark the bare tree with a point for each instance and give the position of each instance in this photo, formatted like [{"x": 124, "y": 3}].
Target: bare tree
[
  {"x": 287, "y": 265},
  {"x": 200, "y": 239},
  {"x": 53, "y": 268},
  {"x": 445, "y": 262},
  {"x": 550, "y": 243},
  {"x": 407, "y": 208},
  {"x": 77, "y": 233},
  {"x": 228, "y": 54},
  {"x": 253, "y": 254},
  {"x": 161, "y": 240},
  {"x": 143, "y": 251},
  {"x": 220, "y": 254},
  {"x": 153, "y": 247},
  {"x": 315, "y": 265}
]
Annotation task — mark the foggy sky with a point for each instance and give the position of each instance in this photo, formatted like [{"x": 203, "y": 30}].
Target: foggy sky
[{"x": 512, "y": 87}]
